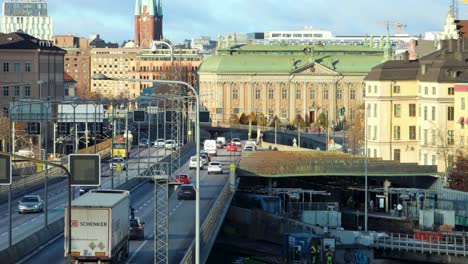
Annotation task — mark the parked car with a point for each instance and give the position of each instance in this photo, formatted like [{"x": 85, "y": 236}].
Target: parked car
[
  {"x": 236, "y": 141},
  {"x": 183, "y": 178},
  {"x": 31, "y": 203},
  {"x": 186, "y": 192},
  {"x": 159, "y": 143},
  {"x": 118, "y": 161},
  {"x": 215, "y": 167},
  {"x": 144, "y": 142},
  {"x": 193, "y": 163},
  {"x": 231, "y": 147},
  {"x": 136, "y": 230}
]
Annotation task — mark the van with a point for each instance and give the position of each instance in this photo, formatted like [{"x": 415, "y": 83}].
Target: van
[
  {"x": 210, "y": 147},
  {"x": 221, "y": 142}
]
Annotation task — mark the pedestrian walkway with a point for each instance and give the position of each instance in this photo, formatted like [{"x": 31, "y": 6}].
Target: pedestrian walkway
[{"x": 268, "y": 145}]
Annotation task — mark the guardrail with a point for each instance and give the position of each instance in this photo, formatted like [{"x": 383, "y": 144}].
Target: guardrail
[
  {"x": 208, "y": 227},
  {"x": 448, "y": 244}
]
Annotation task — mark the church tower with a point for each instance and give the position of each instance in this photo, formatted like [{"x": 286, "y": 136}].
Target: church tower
[{"x": 148, "y": 22}]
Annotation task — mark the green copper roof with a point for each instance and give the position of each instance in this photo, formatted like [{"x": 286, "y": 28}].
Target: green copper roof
[
  {"x": 248, "y": 63},
  {"x": 137, "y": 8}
]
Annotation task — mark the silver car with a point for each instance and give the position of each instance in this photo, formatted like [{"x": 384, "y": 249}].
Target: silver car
[{"x": 30, "y": 203}]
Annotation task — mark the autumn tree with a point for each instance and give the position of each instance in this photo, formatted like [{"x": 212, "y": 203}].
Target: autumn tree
[
  {"x": 298, "y": 121},
  {"x": 355, "y": 128},
  {"x": 252, "y": 118},
  {"x": 233, "y": 119},
  {"x": 273, "y": 120},
  {"x": 458, "y": 178},
  {"x": 243, "y": 119},
  {"x": 261, "y": 119}
]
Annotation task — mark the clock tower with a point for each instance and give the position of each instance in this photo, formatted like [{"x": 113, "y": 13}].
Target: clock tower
[{"x": 148, "y": 22}]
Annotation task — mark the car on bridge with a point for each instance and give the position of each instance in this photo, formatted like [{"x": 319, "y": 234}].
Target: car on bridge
[
  {"x": 215, "y": 167},
  {"x": 231, "y": 147},
  {"x": 237, "y": 141},
  {"x": 183, "y": 178},
  {"x": 160, "y": 143},
  {"x": 186, "y": 192},
  {"x": 249, "y": 148},
  {"x": 137, "y": 229},
  {"x": 193, "y": 163},
  {"x": 144, "y": 142},
  {"x": 31, "y": 203}
]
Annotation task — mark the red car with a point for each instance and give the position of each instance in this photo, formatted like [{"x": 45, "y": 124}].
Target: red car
[
  {"x": 182, "y": 178},
  {"x": 231, "y": 147}
]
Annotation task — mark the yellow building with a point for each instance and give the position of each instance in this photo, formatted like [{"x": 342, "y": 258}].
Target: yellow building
[{"x": 461, "y": 117}]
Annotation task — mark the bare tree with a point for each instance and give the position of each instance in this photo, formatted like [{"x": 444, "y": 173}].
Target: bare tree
[
  {"x": 458, "y": 179},
  {"x": 355, "y": 128}
]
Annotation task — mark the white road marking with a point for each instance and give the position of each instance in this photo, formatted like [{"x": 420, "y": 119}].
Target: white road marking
[
  {"x": 4, "y": 234},
  {"x": 136, "y": 251}
]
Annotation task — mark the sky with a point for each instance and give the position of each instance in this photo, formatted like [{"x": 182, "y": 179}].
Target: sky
[{"x": 184, "y": 19}]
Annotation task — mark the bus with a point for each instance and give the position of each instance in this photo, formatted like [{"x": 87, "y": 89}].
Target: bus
[{"x": 120, "y": 147}]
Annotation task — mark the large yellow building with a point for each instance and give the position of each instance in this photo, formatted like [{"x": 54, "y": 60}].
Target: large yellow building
[{"x": 410, "y": 107}]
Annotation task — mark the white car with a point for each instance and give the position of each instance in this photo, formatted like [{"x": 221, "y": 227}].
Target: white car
[
  {"x": 117, "y": 161},
  {"x": 215, "y": 167},
  {"x": 236, "y": 141},
  {"x": 159, "y": 143},
  {"x": 249, "y": 148},
  {"x": 193, "y": 163},
  {"x": 170, "y": 144}
]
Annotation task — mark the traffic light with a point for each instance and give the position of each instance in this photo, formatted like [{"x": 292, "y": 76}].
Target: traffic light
[
  {"x": 5, "y": 170},
  {"x": 85, "y": 169}
]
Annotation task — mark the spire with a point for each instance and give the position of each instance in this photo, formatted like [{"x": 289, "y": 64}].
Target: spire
[
  {"x": 160, "y": 9},
  {"x": 137, "y": 8},
  {"x": 387, "y": 47}
]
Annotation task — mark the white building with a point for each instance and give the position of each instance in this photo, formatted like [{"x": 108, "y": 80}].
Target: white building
[{"x": 29, "y": 16}]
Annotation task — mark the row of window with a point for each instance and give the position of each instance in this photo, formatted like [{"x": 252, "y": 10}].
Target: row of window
[
  {"x": 16, "y": 91},
  {"x": 298, "y": 94},
  {"x": 412, "y": 111},
  {"x": 396, "y": 89},
  {"x": 16, "y": 67},
  {"x": 372, "y": 134}
]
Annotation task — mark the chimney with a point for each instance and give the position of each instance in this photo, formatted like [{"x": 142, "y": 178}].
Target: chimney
[{"x": 412, "y": 50}]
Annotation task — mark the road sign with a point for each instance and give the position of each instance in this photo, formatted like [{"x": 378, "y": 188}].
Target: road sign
[
  {"x": 85, "y": 169},
  {"x": 138, "y": 116},
  {"x": 5, "y": 170}
]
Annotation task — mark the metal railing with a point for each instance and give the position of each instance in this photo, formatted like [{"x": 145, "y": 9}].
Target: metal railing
[{"x": 435, "y": 243}]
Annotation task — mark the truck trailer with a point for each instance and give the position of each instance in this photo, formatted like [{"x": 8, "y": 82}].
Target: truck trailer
[{"x": 99, "y": 227}]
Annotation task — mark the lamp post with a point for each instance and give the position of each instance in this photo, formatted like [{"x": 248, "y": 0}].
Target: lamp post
[{"x": 197, "y": 142}]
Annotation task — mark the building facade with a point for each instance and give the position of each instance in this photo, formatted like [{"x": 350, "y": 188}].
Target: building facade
[
  {"x": 115, "y": 64},
  {"x": 148, "y": 22},
  {"x": 30, "y": 69},
  {"x": 412, "y": 115},
  {"x": 29, "y": 16},
  {"x": 157, "y": 65},
  {"x": 77, "y": 61},
  {"x": 286, "y": 81},
  {"x": 461, "y": 117}
]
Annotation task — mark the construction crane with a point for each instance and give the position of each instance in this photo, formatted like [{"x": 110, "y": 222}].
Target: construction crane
[{"x": 395, "y": 24}]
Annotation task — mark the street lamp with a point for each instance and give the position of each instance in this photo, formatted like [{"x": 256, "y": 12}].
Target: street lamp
[{"x": 197, "y": 142}]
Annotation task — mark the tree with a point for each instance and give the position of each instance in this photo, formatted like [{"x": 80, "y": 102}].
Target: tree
[
  {"x": 244, "y": 119},
  {"x": 233, "y": 119},
  {"x": 253, "y": 118},
  {"x": 261, "y": 120},
  {"x": 321, "y": 121},
  {"x": 298, "y": 121},
  {"x": 458, "y": 179},
  {"x": 355, "y": 128},
  {"x": 272, "y": 121}
]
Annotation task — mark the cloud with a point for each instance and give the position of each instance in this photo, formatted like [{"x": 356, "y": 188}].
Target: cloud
[{"x": 183, "y": 19}]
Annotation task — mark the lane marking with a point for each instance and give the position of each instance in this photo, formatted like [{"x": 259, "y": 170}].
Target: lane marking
[{"x": 136, "y": 251}]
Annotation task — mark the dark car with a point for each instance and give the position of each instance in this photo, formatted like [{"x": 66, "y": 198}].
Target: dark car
[
  {"x": 186, "y": 192},
  {"x": 136, "y": 230}
]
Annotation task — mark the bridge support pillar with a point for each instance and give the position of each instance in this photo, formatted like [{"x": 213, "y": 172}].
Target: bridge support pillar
[{"x": 386, "y": 185}]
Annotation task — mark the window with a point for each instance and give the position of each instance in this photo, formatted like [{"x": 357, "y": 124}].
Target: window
[
  {"x": 16, "y": 91},
  {"x": 462, "y": 104},
  {"x": 339, "y": 94},
  {"x": 433, "y": 90},
  {"x": 425, "y": 136},
  {"x": 397, "y": 110},
  {"x": 426, "y": 90},
  {"x": 412, "y": 109},
  {"x": 462, "y": 141},
  {"x": 369, "y": 89},
  {"x": 412, "y": 132},
  {"x": 351, "y": 114},
  {"x": 433, "y": 113},
  {"x": 27, "y": 91},
  {"x": 284, "y": 113},
  {"x": 311, "y": 93},
  {"x": 434, "y": 158},
  {"x": 298, "y": 92},
  {"x": 396, "y": 132},
  {"x": 451, "y": 91},
  {"x": 271, "y": 93},
  {"x": 396, "y": 89},
  {"x": 375, "y": 110},
  {"x": 375, "y": 133},
  {"x": 368, "y": 110},
  {"x": 325, "y": 94},
  {"x": 375, "y": 88},
  {"x": 419, "y": 110},
  {"x": 425, "y": 159},
  {"x": 235, "y": 94},
  {"x": 352, "y": 94},
  {"x": 396, "y": 154},
  {"x": 284, "y": 93},
  {"x": 368, "y": 132},
  {"x": 271, "y": 113},
  {"x": 425, "y": 113},
  {"x": 450, "y": 137},
  {"x": 375, "y": 153},
  {"x": 17, "y": 67},
  {"x": 27, "y": 67},
  {"x": 6, "y": 67},
  {"x": 450, "y": 113},
  {"x": 419, "y": 88},
  {"x": 257, "y": 93},
  {"x": 67, "y": 92},
  {"x": 433, "y": 137}
]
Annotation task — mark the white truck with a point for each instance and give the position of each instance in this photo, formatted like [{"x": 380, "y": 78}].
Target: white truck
[
  {"x": 210, "y": 147},
  {"x": 100, "y": 221}
]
